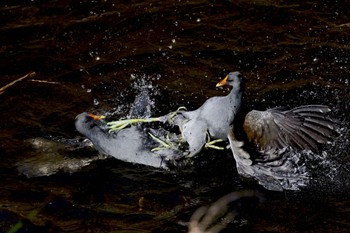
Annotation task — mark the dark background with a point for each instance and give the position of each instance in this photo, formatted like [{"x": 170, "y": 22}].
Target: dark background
[{"x": 96, "y": 55}]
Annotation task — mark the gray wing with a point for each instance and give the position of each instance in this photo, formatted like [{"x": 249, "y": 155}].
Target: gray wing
[{"x": 304, "y": 127}]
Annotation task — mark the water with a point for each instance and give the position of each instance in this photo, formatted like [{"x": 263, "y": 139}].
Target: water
[{"x": 95, "y": 56}]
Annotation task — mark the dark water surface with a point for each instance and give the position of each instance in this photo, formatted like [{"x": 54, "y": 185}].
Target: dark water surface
[{"x": 96, "y": 56}]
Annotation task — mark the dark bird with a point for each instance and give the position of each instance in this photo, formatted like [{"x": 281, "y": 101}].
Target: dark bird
[
  {"x": 271, "y": 131},
  {"x": 129, "y": 145}
]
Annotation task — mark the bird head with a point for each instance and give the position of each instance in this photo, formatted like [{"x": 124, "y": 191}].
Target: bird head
[{"x": 233, "y": 79}]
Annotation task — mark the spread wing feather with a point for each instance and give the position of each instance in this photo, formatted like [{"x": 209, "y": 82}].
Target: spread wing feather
[{"x": 304, "y": 127}]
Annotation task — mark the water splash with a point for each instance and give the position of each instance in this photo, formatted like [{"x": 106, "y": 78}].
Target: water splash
[
  {"x": 144, "y": 103},
  {"x": 334, "y": 166}
]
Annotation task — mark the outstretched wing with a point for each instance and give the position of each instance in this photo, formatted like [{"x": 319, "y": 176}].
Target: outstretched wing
[{"x": 304, "y": 127}]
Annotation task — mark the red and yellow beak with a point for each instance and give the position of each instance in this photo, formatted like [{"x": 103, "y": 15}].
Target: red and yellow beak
[
  {"x": 95, "y": 117},
  {"x": 222, "y": 82}
]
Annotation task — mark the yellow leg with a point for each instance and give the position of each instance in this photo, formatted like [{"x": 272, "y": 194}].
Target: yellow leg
[{"x": 210, "y": 144}]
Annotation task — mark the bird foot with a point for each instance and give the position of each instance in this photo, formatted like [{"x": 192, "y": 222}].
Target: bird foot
[
  {"x": 211, "y": 145},
  {"x": 170, "y": 116},
  {"x": 163, "y": 144},
  {"x": 173, "y": 114},
  {"x": 167, "y": 142},
  {"x": 121, "y": 124}
]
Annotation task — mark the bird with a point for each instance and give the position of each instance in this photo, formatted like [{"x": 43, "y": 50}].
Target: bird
[
  {"x": 213, "y": 118},
  {"x": 271, "y": 131},
  {"x": 260, "y": 140},
  {"x": 129, "y": 145}
]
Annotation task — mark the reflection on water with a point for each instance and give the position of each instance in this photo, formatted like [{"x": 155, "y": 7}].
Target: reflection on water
[{"x": 96, "y": 52}]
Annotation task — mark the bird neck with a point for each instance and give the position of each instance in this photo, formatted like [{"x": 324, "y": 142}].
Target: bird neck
[{"x": 236, "y": 93}]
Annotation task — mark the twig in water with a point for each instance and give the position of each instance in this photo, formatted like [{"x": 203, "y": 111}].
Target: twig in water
[
  {"x": 208, "y": 219},
  {"x": 31, "y": 75},
  {"x": 43, "y": 81},
  {"x": 344, "y": 25}
]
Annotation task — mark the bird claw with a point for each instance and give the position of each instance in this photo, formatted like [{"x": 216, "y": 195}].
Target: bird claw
[
  {"x": 214, "y": 141},
  {"x": 121, "y": 124},
  {"x": 210, "y": 144},
  {"x": 163, "y": 144},
  {"x": 167, "y": 142},
  {"x": 169, "y": 117}
]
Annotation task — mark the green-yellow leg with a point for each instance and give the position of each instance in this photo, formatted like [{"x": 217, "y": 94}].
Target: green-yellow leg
[
  {"x": 163, "y": 144},
  {"x": 173, "y": 114},
  {"x": 210, "y": 144},
  {"x": 121, "y": 124}
]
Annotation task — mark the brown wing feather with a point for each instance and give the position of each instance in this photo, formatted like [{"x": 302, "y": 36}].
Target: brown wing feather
[{"x": 304, "y": 127}]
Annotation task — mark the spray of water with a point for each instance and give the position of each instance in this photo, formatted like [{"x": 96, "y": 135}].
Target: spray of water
[{"x": 143, "y": 104}]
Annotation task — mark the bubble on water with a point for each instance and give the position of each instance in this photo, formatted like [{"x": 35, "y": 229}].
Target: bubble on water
[{"x": 96, "y": 102}]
